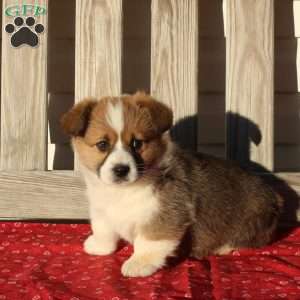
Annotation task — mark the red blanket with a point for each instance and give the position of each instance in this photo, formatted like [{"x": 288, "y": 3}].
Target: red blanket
[{"x": 46, "y": 261}]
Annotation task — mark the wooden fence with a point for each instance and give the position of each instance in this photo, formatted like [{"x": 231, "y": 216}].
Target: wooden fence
[{"x": 28, "y": 190}]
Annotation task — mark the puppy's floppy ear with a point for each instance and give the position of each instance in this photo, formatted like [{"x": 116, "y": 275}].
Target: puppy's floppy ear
[
  {"x": 75, "y": 121},
  {"x": 161, "y": 114}
]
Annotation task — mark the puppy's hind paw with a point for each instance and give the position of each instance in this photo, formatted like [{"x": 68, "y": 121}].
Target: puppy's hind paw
[
  {"x": 224, "y": 250},
  {"x": 95, "y": 247},
  {"x": 138, "y": 267}
]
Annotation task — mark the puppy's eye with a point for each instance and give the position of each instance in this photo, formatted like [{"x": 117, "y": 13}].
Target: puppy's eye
[
  {"x": 103, "y": 145},
  {"x": 136, "y": 144}
]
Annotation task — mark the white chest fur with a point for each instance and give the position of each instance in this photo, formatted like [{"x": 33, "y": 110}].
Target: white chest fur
[{"x": 124, "y": 207}]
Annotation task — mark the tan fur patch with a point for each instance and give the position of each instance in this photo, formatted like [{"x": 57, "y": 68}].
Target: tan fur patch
[{"x": 97, "y": 130}]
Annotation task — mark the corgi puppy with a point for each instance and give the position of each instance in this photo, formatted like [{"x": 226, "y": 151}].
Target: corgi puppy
[{"x": 144, "y": 189}]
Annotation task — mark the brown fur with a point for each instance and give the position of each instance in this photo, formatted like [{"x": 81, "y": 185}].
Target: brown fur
[
  {"x": 75, "y": 121},
  {"x": 141, "y": 122},
  {"x": 216, "y": 203},
  {"x": 161, "y": 116}
]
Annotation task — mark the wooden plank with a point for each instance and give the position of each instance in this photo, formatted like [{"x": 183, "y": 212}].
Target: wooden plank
[
  {"x": 174, "y": 62},
  {"x": 42, "y": 195},
  {"x": 98, "y": 48},
  {"x": 212, "y": 60},
  {"x": 211, "y": 65},
  {"x": 60, "y": 194},
  {"x": 287, "y": 18},
  {"x": 23, "y": 95},
  {"x": 212, "y": 18},
  {"x": 249, "y": 81}
]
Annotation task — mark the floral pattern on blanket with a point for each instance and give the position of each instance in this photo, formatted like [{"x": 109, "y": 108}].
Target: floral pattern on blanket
[{"x": 42, "y": 261}]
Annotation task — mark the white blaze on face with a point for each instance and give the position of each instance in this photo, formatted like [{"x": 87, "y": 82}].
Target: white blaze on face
[
  {"x": 119, "y": 156},
  {"x": 115, "y": 117}
]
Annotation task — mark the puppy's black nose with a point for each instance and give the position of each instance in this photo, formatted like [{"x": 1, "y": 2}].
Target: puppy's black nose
[{"x": 121, "y": 170}]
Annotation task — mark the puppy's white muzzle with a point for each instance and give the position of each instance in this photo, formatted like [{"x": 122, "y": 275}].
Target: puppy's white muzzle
[{"x": 119, "y": 167}]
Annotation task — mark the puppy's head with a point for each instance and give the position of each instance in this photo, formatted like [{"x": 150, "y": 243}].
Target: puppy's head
[{"x": 119, "y": 138}]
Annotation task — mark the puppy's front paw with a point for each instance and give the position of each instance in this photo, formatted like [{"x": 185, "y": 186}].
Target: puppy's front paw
[
  {"x": 95, "y": 247},
  {"x": 139, "y": 266}
]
